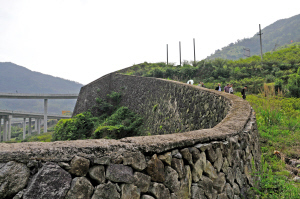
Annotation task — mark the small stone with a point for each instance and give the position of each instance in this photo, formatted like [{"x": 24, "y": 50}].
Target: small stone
[
  {"x": 174, "y": 152},
  {"x": 79, "y": 166},
  {"x": 159, "y": 191},
  {"x": 13, "y": 178},
  {"x": 156, "y": 169},
  {"x": 147, "y": 197},
  {"x": 106, "y": 191},
  {"x": 166, "y": 158},
  {"x": 97, "y": 173},
  {"x": 178, "y": 165},
  {"x": 171, "y": 179},
  {"x": 197, "y": 193},
  {"x": 222, "y": 196},
  {"x": 219, "y": 183},
  {"x": 129, "y": 191},
  {"x": 185, "y": 184},
  {"x": 64, "y": 165},
  {"x": 229, "y": 191},
  {"x": 210, "y": 171},
  {"x": 203, "y": 147},
  {"x": 247, "y": 171},
  {"x": 174, "y": 196},
  {"x": 135, "y": 159},
  {"x": 56, "y": 183},
  {"x": 238, "y": 197},
  {"x": 236, "y": 189},
  {"x": 102, "y": 161},
  {"x": 199, "y": 167},
  {"x": 142, "y": 181},
  {"x": 225, "y": 166},
  {"x": 81, "y": 187},
  {"x": 296, "y": 179},
  {"x": 211, "y": 154},
  {"x": 178, "y": 155},
  {"x": 195, "y": 153},
  {"x": 187, "y": 155},
  {"x": 219, "y": 162},
  {"x": 207, "y": 185},
  {"x": 119, "y": 173},
  {"x": 239, "y": 177},
  {"x": 32, "y": 163},
  {"x": 230, "y": 176},
  {"x": 19, "y": 195}
]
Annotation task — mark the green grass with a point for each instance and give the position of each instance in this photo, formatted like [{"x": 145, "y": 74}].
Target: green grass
[{"x": 278, "y": 121}]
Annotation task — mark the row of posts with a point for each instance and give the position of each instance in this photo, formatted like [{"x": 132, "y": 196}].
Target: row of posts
[{"x": 7, "y": 127}]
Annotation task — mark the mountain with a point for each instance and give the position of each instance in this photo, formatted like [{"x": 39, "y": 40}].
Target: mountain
[
  {"x": 18, "y": 79},
  {"x": 282, "y": 32}
]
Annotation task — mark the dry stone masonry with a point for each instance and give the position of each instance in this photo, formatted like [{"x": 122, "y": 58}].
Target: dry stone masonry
[{"x": 212, "y": 158}]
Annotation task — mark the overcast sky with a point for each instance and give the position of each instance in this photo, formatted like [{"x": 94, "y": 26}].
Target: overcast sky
[{"x": 82, "y": 40}]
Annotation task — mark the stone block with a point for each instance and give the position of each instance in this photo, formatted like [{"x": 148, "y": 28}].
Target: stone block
[{"x": 119, "y": 173}]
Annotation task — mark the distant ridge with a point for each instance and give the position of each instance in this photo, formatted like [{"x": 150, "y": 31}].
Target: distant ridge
[
  {"x": 18, "y": 79},
  {"x": 280, "y": 33}
]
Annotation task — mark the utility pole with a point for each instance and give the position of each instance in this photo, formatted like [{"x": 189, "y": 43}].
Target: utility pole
[
  {"x": 180, "y": 52},
  {"x": 260, "y": 43},
  {"x": 194, "y": 52},
  {"x": 167, "y": 56}
]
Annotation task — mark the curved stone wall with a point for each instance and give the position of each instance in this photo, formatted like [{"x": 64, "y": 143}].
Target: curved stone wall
[{"x": 197, "y": 163}]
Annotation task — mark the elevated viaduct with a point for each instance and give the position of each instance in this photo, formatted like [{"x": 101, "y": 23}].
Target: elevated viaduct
[{"x": 8, "y": 115}]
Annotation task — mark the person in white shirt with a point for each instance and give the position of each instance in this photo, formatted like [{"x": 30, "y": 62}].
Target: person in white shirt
[
  {"x": 231, "y": 89},
  {"x": 190, "y": 82}
]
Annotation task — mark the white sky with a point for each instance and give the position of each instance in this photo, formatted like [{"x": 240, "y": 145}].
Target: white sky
[{"x": 82, "y": 40}]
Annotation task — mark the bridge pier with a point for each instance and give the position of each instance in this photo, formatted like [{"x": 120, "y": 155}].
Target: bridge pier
[
  {"x": 24, "y": 128},
  {"x": 35, "y": 124},
  {"x": 9, "y": 127},
  {"x": 5, "y": 129},
  {"x": 45, "y": 114},
  {"x": 38, "y": 125},
  {"x": 0, "y": 127},
  {"x": 29, "y": 127}
]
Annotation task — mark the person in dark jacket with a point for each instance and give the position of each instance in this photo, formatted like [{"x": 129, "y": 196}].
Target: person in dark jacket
[
  {"x": 244, "y": 92},
  {"x": 218, "y": 88}
]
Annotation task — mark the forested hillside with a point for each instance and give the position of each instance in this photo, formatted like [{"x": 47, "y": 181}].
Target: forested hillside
[
  {"x": 18, "y": 79},
  {"x": 282, "y": 32}
]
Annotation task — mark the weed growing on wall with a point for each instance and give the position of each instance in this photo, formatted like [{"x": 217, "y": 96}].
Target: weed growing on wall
[{"x": 106, "y": 120}]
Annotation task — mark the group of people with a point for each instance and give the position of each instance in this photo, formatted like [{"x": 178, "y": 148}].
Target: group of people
[{"x": 228, "y": 88}]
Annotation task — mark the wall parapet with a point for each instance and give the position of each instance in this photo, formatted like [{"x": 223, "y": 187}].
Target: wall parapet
[{"x": 213, "y": 162}]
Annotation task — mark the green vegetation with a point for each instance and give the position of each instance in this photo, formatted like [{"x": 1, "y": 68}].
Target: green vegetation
[
  {"x": 278, "y": 120},
  {"x": 279, "y": 68},
  {"x": 274, "y": 36},
  {"x": 106, "y": 120}
]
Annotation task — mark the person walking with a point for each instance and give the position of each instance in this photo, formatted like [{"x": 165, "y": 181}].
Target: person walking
[
  {"x": 226, "y": 88},
  {"x": 218, "y": 88},
  {"x": 199, "y": 84},
  {"x": 231, "y": 89},
  {"x": 244, "y": 92},
  {"x": 190, "y": 82},
  {"x": 203, "y": 85}
]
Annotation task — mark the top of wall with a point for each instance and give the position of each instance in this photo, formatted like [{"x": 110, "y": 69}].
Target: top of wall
[{"x": 232, "y": 124}]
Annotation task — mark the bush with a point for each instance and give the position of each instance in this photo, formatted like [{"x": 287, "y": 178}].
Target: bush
[{"x": 109, "y": 120}]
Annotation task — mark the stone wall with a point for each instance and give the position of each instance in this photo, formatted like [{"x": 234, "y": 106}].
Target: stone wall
[
  {"x": 167, "y": 106},
  {"x": 205, "y": 163}
]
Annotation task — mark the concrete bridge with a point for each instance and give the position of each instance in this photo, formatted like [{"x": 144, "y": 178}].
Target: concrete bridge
[{"x": 7, "y": 115}]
